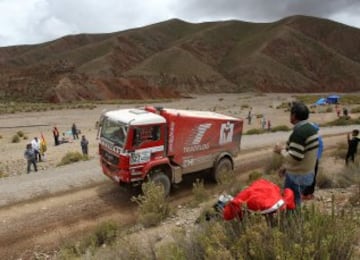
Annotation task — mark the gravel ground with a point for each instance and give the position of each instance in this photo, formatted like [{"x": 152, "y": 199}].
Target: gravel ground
[{"x": 81, "y": 174}]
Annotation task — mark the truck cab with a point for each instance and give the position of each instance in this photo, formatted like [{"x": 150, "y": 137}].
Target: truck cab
[{"x": 164, "y": 144}]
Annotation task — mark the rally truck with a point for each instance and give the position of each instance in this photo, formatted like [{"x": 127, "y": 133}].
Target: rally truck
[{"x": 162, "y": 144}]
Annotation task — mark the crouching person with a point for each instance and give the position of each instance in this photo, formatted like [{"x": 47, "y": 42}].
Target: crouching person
[{"x": 262, "y": 197}]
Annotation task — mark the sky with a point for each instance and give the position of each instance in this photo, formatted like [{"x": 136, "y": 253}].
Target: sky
[{"x": 37, "y": 21}]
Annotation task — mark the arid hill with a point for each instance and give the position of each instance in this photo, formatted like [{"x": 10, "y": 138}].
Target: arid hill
[{"x": 173, "y": 58}]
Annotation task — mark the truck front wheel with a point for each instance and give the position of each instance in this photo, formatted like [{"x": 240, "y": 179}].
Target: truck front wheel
[
  {"x": 223, "y": 171},
  {"x": 161, "y": 179}
]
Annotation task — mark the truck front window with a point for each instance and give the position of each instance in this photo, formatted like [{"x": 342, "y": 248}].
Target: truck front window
[{"x": 113, "y": 131}]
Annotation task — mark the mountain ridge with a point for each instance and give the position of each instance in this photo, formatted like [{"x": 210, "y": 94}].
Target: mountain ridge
[{"x": 174, "y": 58}]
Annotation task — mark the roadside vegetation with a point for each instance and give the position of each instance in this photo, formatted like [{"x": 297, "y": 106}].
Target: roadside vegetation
[
  {"x": 256, "y": 131},
  {"x": 153, "y": 205},
  {"x": 16, "y": 138},
  {"x": 343, "y": 121},
  {"x": 344, "y": 99},
  {"x": 17, "y": 107},
  {"x": 72, "y": 157},
  {"x": 303, "y": 234}
]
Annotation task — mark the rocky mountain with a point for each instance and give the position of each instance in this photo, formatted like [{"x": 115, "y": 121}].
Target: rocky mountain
[{"x": 174, "y": 58}]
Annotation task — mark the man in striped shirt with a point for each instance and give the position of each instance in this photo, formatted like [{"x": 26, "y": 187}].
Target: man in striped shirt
[{"x": 300, "y": 152}]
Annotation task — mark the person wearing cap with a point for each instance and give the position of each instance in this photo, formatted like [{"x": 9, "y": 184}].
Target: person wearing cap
[{"x": 262, "y": 196}]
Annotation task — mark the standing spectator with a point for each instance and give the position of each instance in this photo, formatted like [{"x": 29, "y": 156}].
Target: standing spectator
[
  {"x": 300, "y": 153},
  {"x": 84, "y": 145},
  {"x": 345, "y": 112},
  {"x": 269, "y": 125},
  {"x": 352, "y": 146},
  {"x": 74, "y": 131},
  {"x": 29, "y": 155},
  {"x": 263, "y": 122},
  {"x": 308, "y": 192},
  {"x": 56, "y": 134},
  {"x": 43, "y": 146},
  {"x": 35, "y": 143},
  {"x": 249, "y": 116},
  {"x": 337, "y": 109}
]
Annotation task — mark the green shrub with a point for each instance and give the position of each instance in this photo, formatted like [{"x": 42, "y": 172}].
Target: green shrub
[
  {"x": 72, "y": 157},
  {"x": 105, "y": 234},
  {"x": 323, "y": 181},
  {"x": 329, "y": 109},
  {"x": 340, "y": 151},
  {"x": 349, "y": 176},
  {"x": 283, "y": 105},
  {"x": 350, "y": 99},
  {"x": 308, "y": 99},
  {"x": 3, "y": 175},
  {"x": 20, "y": 133},
  {"x": 293, "y": 236},
  {"x": 253, "y": 176},
  {"x": 153, "y": 206},
  {"x": 280, "y": 128},
  {"x": 199, "y": 193},
  {"x": 355, "y": 110},
  {"x": 15, "y": 139},
  {"x": 255, "y": 131},
  {"x": 343, "y": 121},
  {"x": 273, "y": 164}
]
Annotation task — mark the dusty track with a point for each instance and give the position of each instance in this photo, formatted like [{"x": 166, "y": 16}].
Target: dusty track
[{"x": 43, "y": 223}]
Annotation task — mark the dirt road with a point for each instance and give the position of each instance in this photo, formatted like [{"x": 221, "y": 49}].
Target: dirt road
[{"x": 41, "y": 210}]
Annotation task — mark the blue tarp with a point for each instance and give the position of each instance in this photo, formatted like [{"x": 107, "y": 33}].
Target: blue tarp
[
  {"x": 332, "y": 99},
  {"x": 321, "y": 101}
]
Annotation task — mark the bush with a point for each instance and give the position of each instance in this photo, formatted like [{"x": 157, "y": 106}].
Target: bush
[
  {"x": 15, "y": 139},
  {"x": 105, "y": 234},
  {"x": 294, "y": 236},
  {"x": 279, "y": 128},
  {"x": 153, "y": 206},
  {"x": 343, "y": 121},
  {"x": 273, "y": 164},
  {"x": 349, "y": 176},
  {"x": 255, "y": 131},
  {"x": 340, "y": 151},
  {"x": 72, "y": 157},
  {"x": 355, "y": 110},
  {"x": 3, "y": 175},
  {"x": 199, "y": 193},
  {"x": 253, "y": 176},
  {"x": 20, "y": 133},
  {"x": 323, "y": 181}
]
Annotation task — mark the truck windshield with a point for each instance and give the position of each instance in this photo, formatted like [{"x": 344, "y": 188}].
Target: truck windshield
[{"x": 114, "y": 131}]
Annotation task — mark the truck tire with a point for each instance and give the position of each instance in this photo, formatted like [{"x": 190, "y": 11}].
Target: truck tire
[
  {"x": 223, "y": 170},
  {"x": 160, "y": 178}
]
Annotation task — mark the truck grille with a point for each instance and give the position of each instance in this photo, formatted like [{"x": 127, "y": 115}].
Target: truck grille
[{"x": 109, "y": 157}]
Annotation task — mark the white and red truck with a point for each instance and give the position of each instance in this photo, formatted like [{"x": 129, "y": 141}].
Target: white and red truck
[{"x": 162, "y": 145}]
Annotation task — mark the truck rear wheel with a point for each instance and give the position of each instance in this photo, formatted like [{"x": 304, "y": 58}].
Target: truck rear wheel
[
  {"x": 161, "y": 179},
  {"x": 223, "y": 171}
]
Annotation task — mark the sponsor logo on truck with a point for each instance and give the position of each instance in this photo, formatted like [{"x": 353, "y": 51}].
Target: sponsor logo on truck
[
  {"x": 193, "y": 143},
  {"x": 226, "y": 133}
]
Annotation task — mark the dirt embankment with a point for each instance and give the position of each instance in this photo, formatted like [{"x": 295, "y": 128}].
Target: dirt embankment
[{"x": 43, "y": 209}]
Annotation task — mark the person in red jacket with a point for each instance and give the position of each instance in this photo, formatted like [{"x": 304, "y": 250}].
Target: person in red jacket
[{"x": 262, "y": 196}]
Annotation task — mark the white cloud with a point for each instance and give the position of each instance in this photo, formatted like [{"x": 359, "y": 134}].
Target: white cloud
[{"x": 35, "y": 21}]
